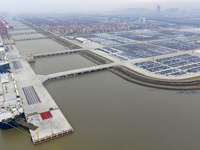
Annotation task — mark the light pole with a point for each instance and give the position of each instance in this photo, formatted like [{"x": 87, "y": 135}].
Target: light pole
[
  {"x": 51, "y": 126},
  {"x": 41, "y": 77}
]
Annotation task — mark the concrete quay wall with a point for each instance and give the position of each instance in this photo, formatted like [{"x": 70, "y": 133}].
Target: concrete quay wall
[{"x": 155, "y": 83}]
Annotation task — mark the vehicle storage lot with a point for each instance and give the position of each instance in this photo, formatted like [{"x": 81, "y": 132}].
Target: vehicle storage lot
[
  {"x": 182, "y": 44},
  {"x": 172, "y": 66},
  {"x": 107, "y": 40},
  {"x": 142, "y": 35}
]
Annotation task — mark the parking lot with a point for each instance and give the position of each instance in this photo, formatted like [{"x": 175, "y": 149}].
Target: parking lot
[
  {"x": 143, "y": 50},
  {"x": 182, "y": 44},
  {"x": 179, "y": 33},
  {"x": 141, "y": 35},
  {"x": 108, "y": 40},
  {"x": 133, "y": 51},
  {"x": 172, "y": 66}
]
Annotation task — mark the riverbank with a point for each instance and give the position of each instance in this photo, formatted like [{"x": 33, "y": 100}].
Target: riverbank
[
  {"x": 140, "y": 79},
  {"x": 97, "y": 59},
  {"x": 155, "y": 83}
]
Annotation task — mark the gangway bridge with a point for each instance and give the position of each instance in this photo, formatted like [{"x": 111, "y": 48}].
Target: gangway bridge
[
  {"x": 23, "y": 33},
  {"x": 76, "y": 72},
  {"x": 22, "y": 28},
  {"x": 35, "y": 38},
  {"x": 56, "y": 53}
]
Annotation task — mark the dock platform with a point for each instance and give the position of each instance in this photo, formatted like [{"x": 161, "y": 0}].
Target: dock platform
[{"x": 39, "y": 107}]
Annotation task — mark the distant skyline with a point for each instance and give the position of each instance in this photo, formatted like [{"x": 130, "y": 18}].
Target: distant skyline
[{"x": 73, "y": 6}]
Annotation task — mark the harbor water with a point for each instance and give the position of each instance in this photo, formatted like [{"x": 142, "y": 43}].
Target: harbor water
[
  {"x": 108, "y": 112},
  {"x": 39, "y": 46},
  {"x": 59, "y": 63}
]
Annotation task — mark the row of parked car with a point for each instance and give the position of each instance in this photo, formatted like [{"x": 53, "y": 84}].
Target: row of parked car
[{"x": 176, "y": 65}]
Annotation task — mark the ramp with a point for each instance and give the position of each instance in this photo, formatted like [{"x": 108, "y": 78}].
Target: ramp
[
  {"x": 17, "y": 65},
  {"x": 22, "y": 122}
]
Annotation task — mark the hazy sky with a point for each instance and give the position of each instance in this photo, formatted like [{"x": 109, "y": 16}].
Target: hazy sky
[{"x": 90, "y": 5}]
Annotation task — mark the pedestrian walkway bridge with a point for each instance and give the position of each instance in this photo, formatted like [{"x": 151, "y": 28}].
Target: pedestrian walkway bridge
[
  {"x": 72, "y": 73},
  {"x": 56, "y": 53},
  {"x": 24, "y": 28},
  {"x": 23, "y": 33},
  {"x": 34, "y": 38}
]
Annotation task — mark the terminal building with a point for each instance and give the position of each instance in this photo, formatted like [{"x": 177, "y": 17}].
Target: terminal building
[{"x": 82, "y": 40}]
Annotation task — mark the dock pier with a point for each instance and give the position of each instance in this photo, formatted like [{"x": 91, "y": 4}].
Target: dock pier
[{"x": 39, "y": 107}]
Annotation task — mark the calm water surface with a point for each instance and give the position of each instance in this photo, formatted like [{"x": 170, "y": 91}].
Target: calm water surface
[
  {"x": 59, "y": 63},
  {"x": 39, "y": 46},
  {"x": 108, "y": 112}
]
